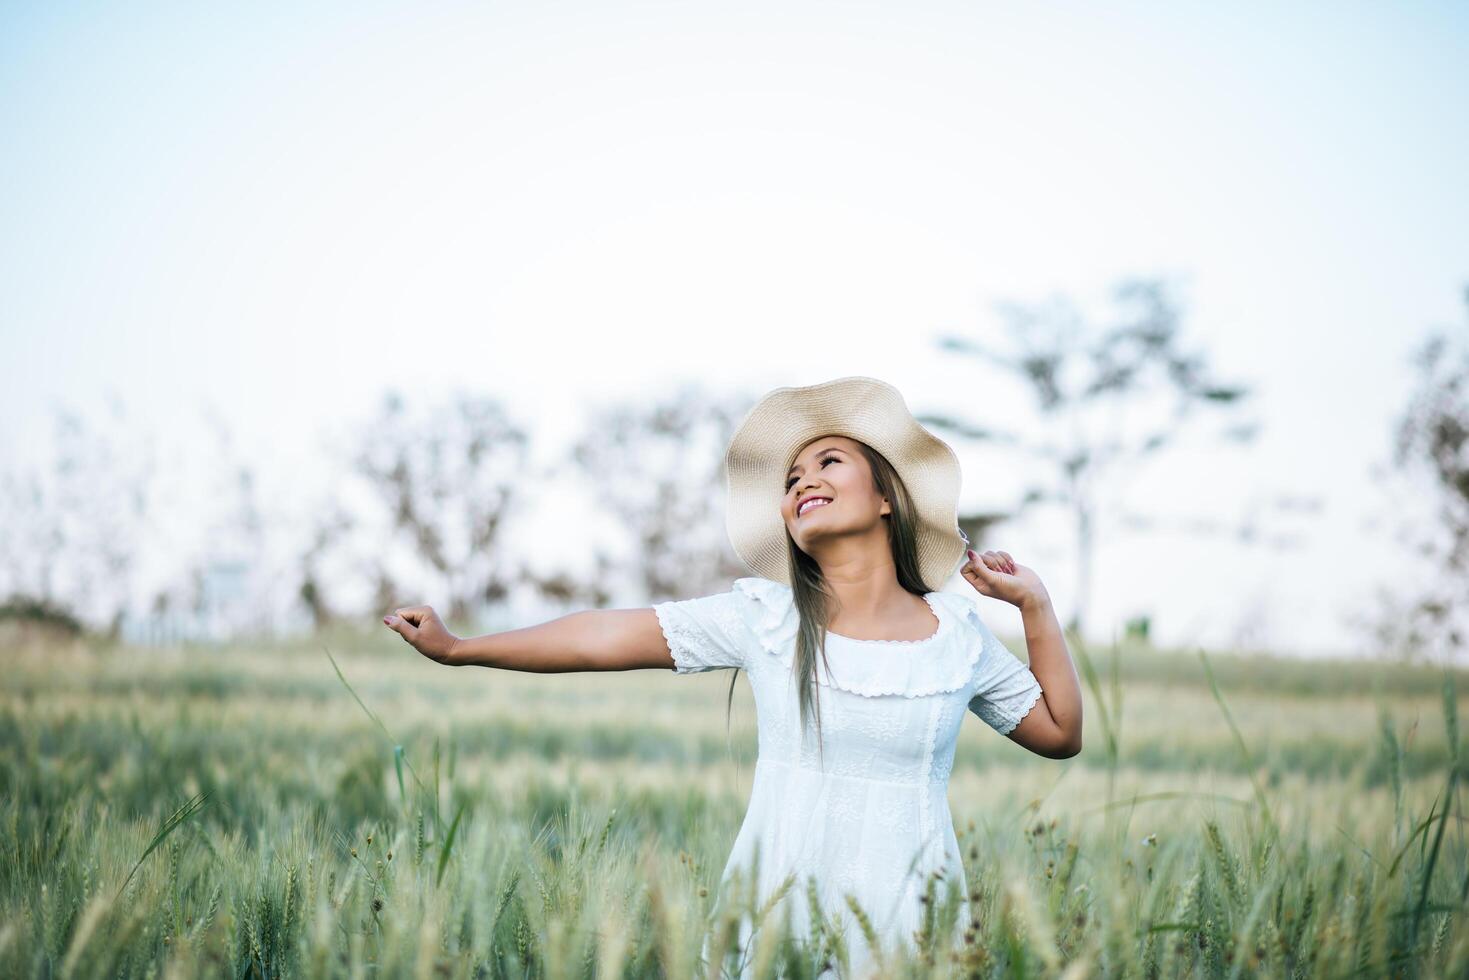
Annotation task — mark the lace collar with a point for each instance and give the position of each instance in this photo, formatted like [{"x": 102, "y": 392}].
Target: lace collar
[{"x": 941, "y": 662}]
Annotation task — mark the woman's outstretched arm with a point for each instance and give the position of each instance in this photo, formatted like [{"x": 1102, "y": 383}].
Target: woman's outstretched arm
[{"x": 593, "y": 639}]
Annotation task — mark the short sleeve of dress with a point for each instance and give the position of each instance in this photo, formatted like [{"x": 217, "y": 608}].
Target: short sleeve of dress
[
  {"x": 707, "y": 633},
  {"x": 1005, "y": 689}
]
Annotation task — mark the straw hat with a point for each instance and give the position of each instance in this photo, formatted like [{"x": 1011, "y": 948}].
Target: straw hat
[{"x": 765, "y": 444}]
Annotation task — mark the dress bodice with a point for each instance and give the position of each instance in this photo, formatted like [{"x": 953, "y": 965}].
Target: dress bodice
[
  {"x": 753, "y": 626},
  {"x": 866, "y": 813}
]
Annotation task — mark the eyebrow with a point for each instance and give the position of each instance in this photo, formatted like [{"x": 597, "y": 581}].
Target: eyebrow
[{"x": 828, "y": 449}]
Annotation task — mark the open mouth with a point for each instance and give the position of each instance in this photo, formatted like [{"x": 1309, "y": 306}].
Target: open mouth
[{"x": 810, "y": 504}]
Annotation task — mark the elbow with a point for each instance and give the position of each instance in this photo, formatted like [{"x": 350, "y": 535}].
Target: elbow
[
  {"x": 1070, "y": 732},
  {"x": 1069, "y": 747}
]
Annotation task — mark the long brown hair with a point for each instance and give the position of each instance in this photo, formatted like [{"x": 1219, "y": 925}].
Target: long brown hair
[{"x": 811, "y": 596}]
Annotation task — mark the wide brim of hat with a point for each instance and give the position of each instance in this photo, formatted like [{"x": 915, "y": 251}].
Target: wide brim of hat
[{"x": 766, "y": 442}]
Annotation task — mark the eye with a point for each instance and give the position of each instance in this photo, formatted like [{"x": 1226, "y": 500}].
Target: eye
[{"x": 824, "y": 461}]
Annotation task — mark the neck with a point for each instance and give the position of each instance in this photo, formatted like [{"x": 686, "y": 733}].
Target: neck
[{"x": 863, "y": 583}]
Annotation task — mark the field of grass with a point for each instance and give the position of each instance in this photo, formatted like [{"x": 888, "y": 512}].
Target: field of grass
[{"x": 237, "y": 812}]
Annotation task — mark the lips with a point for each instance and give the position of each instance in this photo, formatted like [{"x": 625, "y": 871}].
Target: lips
[{"x": 807, "y": 505}]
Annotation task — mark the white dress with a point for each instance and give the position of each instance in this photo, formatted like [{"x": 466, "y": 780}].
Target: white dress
[{"x": 876, "y": 822}]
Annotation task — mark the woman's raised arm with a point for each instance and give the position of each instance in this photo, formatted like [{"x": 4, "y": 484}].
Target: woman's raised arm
[{"x": 593, "y": 639}]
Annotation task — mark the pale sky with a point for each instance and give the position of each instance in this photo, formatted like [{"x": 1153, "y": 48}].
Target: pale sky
[{"x": 276, "y": 212}]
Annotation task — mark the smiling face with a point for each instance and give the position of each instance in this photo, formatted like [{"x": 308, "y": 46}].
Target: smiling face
[{"x": 832, "y": 469}]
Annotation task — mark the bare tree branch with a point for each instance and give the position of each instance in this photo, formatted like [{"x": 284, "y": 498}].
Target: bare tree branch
[{"x": 1073, "y": 370}]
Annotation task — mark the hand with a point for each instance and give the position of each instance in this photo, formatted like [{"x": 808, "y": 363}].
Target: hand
[
  {"x": 995, "y": 574},
  {"x": 424, "y": 630}
]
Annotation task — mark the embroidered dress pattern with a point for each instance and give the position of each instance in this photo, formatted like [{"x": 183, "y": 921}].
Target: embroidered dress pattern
[{"x": 874, "y": 822}]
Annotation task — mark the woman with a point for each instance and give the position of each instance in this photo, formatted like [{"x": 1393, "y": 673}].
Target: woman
[{"x": 845, "y": 507}]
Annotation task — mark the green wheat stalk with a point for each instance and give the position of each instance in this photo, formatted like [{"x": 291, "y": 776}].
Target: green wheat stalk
[{"x": 172, "y": 821}]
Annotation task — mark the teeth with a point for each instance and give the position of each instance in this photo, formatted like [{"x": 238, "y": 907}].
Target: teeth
[{"x": 812, "y": 503}]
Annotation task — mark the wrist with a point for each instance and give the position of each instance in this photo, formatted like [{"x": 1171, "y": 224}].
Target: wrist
[
  {"x": 1035, "y": 602},
  {"x": 456, "y": 647}
]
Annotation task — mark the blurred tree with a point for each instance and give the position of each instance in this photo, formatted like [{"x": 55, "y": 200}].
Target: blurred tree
[
  {"x": 446, "y": 483},
  {"x": 26, "y": 621},
  {"x": 330, "y": 526},
  {"x": 70, "y": 533},
  {"x": 659, "y": 469},
  {"x": 233, "y": 575},
  {"x": 588, "y": 591},
  {"x": 1073, "y": 376},
  {"x": 386, "y": 592},
  {"x": 1432, "y": 439}
]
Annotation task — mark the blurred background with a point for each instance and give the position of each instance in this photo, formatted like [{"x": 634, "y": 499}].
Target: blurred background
[
  {"x": 311, "y": 314},
  {"x": 313, "y": 311}
]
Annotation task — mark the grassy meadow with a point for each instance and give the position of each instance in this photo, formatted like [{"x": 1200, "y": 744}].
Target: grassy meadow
[{"x": 238, "y": 812}]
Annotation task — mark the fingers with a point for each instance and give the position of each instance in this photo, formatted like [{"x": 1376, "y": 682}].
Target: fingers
[
  {"x": 400, "y": 626},
  {"x": 407, "y": 620},
  {"x": 992, "y": 561},
  {"x": 414, "y": 614}
]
